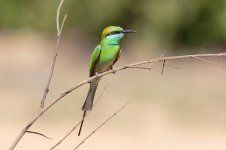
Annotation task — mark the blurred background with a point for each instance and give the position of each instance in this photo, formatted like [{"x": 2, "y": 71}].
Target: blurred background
[{"x": 183, "y": 109}]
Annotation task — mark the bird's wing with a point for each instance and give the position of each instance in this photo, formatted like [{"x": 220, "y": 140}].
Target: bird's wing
[
  {"x": 117, "y": 57},
  {"x": 94, "y": 59}
]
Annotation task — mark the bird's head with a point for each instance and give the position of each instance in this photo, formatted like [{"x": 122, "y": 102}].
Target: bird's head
[{"x": 113, "y": 34}]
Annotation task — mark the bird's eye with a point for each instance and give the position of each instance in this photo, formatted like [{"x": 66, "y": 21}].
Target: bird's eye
[{"x": 113, "y": 32}]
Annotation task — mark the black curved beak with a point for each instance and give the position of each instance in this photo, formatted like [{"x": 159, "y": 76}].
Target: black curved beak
[{"x": 128, "y": 31}]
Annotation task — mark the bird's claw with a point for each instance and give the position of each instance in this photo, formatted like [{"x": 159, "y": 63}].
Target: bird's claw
[
  {"x": 97, "y": 75},
  {"x": 113, "y": 70}
]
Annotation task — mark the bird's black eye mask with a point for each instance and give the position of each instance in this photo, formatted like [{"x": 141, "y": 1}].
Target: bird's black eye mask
[{"x": 113, "y": 32}]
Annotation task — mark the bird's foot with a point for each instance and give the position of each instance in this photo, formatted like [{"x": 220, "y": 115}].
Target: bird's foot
[
  {"x": 97, "y": 75},
  {"x": 113, "y": 70}
]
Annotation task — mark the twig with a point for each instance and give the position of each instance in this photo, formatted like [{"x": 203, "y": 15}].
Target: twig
[
  {"x": 64, "y": 137},
  {"x": 173, "y": 66},
  {"x": 102, "y": 92},
  {"x": 162, "y": 55},
  {"x": 62, "y": 25},
  {"x": 59, "y": 29},
  {"x": 57, "y": 18},
  {"x": 42, "y": 111},
  {"x": 180, "y": 57},
  {"x": 108, "y": 119},
  {"x": 141, "y": 67},
  {"x": 34, "y": 132},
  {"x": 210, "y": 62}
]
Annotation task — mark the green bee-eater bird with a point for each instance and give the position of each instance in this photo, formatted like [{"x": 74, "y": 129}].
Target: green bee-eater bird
[{"x": 104, "y": 56}]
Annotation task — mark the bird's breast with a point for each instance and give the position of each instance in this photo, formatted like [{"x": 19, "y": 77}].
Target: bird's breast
[{"x": 107, "y": 57}]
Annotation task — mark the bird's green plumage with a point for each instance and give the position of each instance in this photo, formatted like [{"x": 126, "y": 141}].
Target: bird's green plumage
[
  {"x": 103, "y": 58},
  {"x": 94, "y": 59},
  {"x": 106, "y": 58},
  {"x": 105, "y": 53}
]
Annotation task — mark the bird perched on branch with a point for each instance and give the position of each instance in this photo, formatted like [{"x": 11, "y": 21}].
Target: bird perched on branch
[{"x": 104, "y": 56}]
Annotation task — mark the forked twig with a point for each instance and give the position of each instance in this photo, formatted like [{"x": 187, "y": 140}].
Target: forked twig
[
  {"x": 210, "y": 62},
  {"x": 62, "y": 25},
  {"x": 59, "y": 29},
  {"x": 162, "y": 55},
  {"x": 34, "y": 132}
]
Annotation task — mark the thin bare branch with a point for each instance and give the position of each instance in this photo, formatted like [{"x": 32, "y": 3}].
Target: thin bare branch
[
  {"x": 210, "y": 62},
  {"x": 178, "y": 57},
  {"x": 34, "y": 132},
  {"x": 62, "y": 25},
  {"x": 57, "y": 18},
  {"x": 102, "y": 92},
  {"x": 162, "y": 55},
  {"x": 59, "y": 29},
  {"x": 65, "y": 136},
  {"x": 42, "y": 111},
  {"x": 173, "y": 66},
  {"x": 108, "y": 119},
  {"x": 141, "y": 67}
]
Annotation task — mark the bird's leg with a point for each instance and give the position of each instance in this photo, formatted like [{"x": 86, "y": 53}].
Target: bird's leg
[{"x": 113, "y": 70}]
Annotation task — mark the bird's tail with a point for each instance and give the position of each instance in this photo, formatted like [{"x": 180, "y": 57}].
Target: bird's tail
[
  {"x": 83, "y": 117},
  {"x": 87, "y": 106},
  {"x": 90, "y": 96}
]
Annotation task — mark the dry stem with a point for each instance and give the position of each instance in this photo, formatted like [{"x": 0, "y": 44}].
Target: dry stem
[
  {"x": 65, "y": 136},
  {"x": 42, "y": 111},
  {"x": 108, "y": 119},
  {"x": 43, "y": 135},
  {"x": 59, "y": 30}
]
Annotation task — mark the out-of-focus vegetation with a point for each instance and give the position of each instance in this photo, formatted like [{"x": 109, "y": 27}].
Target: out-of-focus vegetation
[{"x": 174, "y": 22}]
